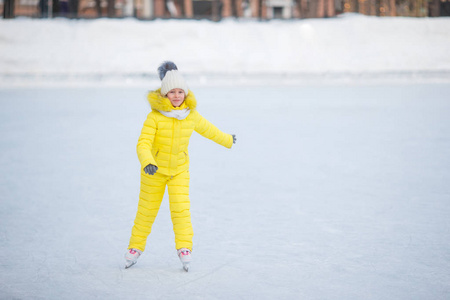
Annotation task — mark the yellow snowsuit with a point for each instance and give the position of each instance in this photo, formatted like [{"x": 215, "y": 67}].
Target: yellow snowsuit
[{"x": 164, "y": 143}]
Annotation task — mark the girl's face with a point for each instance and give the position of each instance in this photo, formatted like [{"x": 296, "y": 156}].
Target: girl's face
[{"x": 176, "y": 97}]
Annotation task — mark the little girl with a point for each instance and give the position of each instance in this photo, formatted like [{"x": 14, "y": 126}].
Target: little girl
[{"x": 163, "y": 153}]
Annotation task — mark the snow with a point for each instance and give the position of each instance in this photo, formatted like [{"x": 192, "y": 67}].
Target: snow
[
  {"x": 336, "y": 189},
  {"x": 36, "y": 51}
]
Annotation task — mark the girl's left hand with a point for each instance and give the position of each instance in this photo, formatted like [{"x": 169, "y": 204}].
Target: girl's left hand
[{"x": 234, "y": 138}]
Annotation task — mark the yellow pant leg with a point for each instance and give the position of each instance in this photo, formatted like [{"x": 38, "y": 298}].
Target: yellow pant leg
[
  {"x": 150, "y": 198},
  {"x": 179, "y": 202}
]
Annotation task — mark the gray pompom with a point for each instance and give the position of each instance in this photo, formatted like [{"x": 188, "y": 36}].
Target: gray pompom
[{"x": 164, "y": 67}]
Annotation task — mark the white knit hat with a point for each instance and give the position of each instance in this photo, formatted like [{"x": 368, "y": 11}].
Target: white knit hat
[{"x": 171, "y": 78}]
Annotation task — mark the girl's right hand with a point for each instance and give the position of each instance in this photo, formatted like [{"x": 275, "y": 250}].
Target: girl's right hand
[{"x": 150, "y": 169}]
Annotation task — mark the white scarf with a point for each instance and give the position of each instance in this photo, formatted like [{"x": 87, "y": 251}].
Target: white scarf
[{"x": 180, "y": 114}]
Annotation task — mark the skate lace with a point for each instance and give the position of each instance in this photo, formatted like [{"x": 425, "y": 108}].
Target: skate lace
[
  {"x": 184, "y": 252},
  {"x": 134, "y": 252}
]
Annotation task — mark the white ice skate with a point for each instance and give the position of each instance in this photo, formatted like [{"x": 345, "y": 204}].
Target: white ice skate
[
  {"x": 185, "y": 256},
  {"x": 131, "y": 257}
]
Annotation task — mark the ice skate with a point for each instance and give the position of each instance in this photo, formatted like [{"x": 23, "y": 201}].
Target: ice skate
[
  {"x": 185, "y": 257},
  {"x": 131, "y": 257}
]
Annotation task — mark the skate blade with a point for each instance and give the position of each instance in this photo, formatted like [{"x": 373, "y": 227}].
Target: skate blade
[
  {"x": 186, "y": 267},
  {"x": 129, "y": 264}
]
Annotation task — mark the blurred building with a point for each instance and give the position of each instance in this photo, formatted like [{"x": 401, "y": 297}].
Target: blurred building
[{"x": 218, "y": 9}]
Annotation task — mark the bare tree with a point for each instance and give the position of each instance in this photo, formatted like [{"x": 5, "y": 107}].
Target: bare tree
[
  {"x": 8, "y": 9},
  {"x": 111, "y": 8},
  {"x": 98, "y": 7},
  {"x": 392, "y": 8},
  {"x": 356, "y": 6},
  {"x": 304, "y": 8},
  {"x": 330, "y": 9},
  {"x": 320, "y": 13},
  {"x": 372, "y": 8}
]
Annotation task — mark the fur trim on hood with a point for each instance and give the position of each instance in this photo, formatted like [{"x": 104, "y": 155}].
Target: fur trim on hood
[{"x": 161, "y": 103}]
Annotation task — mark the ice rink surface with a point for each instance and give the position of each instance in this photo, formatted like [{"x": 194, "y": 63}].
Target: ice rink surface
[{"x": 331, "y": 192}]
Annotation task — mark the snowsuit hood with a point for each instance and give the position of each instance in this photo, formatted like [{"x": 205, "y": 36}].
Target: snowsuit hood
[{"x": 159, "y": 102}]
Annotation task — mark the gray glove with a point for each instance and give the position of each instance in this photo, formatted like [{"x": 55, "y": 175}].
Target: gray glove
[
  {"x": 234, "y": 138},
  {"x": 150, "y": 169}
]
